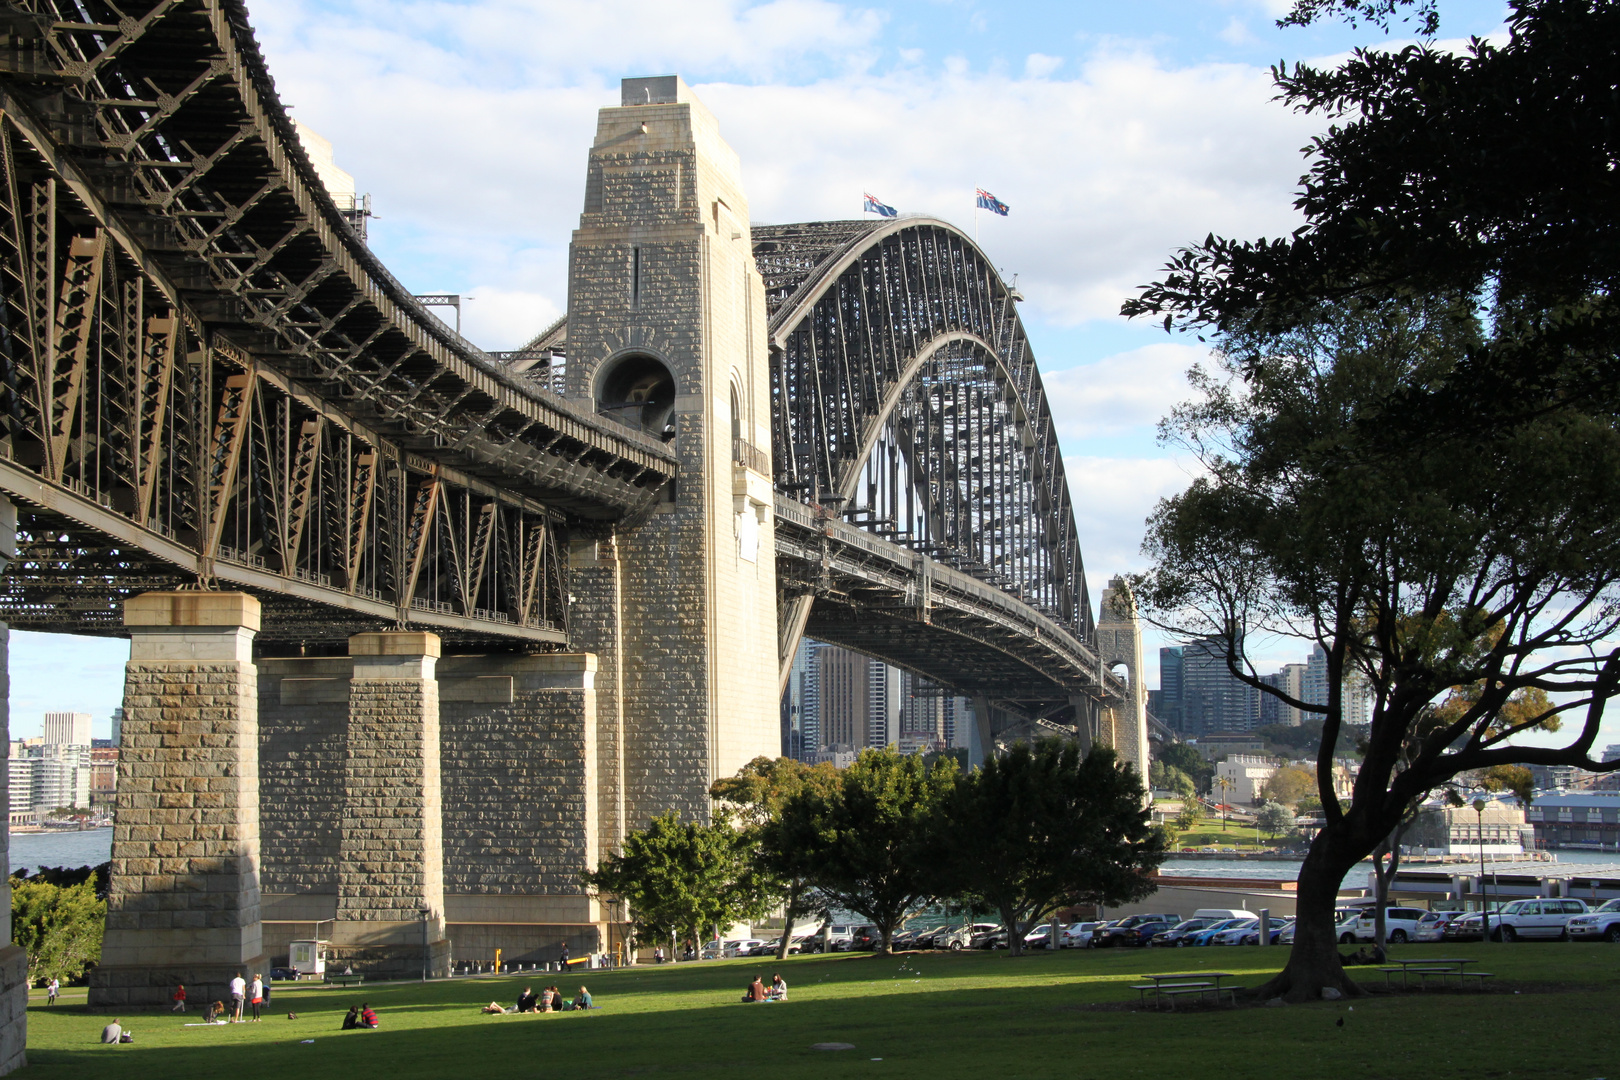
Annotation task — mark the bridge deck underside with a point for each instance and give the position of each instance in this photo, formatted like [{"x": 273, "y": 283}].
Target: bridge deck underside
[
  {"x": 943, "y": 649},
  {"x": 71, "y": 579}
]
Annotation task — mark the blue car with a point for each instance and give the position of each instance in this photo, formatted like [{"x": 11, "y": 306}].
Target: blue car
[{"x": 1207, "y": 934}]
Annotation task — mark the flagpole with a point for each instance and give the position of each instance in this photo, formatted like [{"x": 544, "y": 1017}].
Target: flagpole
[{"x": 975, "y": 219}]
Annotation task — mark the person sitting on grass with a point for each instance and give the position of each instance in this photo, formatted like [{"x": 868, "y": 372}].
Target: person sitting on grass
[
  {"x": 493, "y": 1009},
  {"x": 216, "y": 1013},
  {"x": 368, "y": 1016},
  {"x": 778, "y": 989},
  {"x": 557, "y": 1001},
  {"x": 352, "y": 1021},
  {"x": 112, "y": 1032},
  {"x": 584, "y": 999},
  {"x": 527, "y": 1001},
  {"x": 755, "y": 991}
]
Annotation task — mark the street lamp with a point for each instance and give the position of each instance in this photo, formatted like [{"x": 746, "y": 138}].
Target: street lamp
[{"x": 1484, "y": 903}]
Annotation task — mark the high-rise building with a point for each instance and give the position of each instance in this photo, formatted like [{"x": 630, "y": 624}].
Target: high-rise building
[
  {"x": 844, "y": 685},
  {"x": 1213, "y": 700},
  {"x": 117, "y": 727},
  {"x": 1167, "y": 705},
  {"x": 1357, "y": 695},
  {"x": 883, "y": 702},
  {"x": 64, "y": 728}
]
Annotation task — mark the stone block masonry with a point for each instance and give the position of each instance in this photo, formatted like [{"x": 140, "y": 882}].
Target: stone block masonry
[
  {"x": 184, "y": 903},
  {"x": 391, "y": 855}
]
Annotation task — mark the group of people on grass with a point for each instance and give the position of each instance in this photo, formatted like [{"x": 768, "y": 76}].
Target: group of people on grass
[
  {"x": 758, "y": 991},
  {"x": 360, "y": 1016},
  {"x": 255, "y": 997},
  {"x": 549, "y": 999}
]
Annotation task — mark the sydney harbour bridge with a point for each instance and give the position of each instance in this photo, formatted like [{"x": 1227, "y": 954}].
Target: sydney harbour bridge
[{"x": 380, "y": 584}]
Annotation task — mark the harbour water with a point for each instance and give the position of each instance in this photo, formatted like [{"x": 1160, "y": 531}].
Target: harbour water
[{"x": 30, "y": 850}]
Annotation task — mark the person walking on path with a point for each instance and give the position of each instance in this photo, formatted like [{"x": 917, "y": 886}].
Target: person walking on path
[
  {"x": 256, "y": 999},
  {"x": 52, "y": 988},
  {"x": 565, "y": 956},
  {"x": 179, "y": 999},
  {"x": 238, "y": 992}
]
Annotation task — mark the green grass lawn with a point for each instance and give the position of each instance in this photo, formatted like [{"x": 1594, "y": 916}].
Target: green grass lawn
[
  {"x": 1551, "y": 1014},
  {"x": 1232, "y": 834}
]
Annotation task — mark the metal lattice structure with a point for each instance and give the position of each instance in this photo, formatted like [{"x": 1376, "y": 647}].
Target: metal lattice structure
[
  {"x": 908, "y": 408},
  {"x": 205, "y": 376}
]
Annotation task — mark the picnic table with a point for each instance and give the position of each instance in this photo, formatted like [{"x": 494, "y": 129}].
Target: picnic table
[
  {"x": 1441, "y": 967},
  {"x": 1167, "y": 988}
]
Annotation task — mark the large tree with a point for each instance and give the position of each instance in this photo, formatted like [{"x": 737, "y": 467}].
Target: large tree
[
  {"x": 1444, "y": 520},
  {"x": 1042, "y": 827},
  {"x": 1487, "y": 559},
  {"x": 683, "y": 878},
  {"x": 58, "y": 926},
  {"x": 865, "y": 843}
]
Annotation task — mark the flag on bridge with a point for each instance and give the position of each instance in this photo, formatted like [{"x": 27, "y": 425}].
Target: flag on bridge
[
  {"x": 989, "y": 202},
  {"x": 873, "y": 206}
]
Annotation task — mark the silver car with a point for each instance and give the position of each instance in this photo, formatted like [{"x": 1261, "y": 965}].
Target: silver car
[{"x": 1603, "y": 923}]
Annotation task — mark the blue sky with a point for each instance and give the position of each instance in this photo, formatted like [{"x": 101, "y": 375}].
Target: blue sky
[{"x": 1115, "y": 131}]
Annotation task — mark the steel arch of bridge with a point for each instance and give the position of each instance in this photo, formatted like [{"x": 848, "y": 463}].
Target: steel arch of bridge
[{"x": 907, "y": 404}]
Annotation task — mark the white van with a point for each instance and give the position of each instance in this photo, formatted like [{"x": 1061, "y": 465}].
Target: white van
[{"x": 1223, "y": 913}]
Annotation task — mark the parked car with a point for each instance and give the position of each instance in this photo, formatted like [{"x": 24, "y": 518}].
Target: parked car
[
  {"x": 740, "y": 947},
  {"x": 1469, "y": 927},
  {"x": 984, "y": 933},
  {"x": 1277, "y": 924},
  {"x": 1233, "y": 935},
  {"x": 954, "y": 938},
  {"x": 1400, "y": 923},
  {"x": 1177, "y": 935},
  {"x": 1432, "y": 927},
  {"x": 864, "y": 939},
  {"x": 764, "y": 948},
  {"x": 1142, "y": 933},
  {"x": 1078, "y": 935},
  {"x": 1603, "y": 923},
  {"x": 1202, "y": 937},
  {"x": 278, "y": 973},
  {"x": 1040, "y": 937},
  {"x": 1118, "y": 932},
  {"x": 904, "y": 939},
  {"x": 1543, "y": 917}
]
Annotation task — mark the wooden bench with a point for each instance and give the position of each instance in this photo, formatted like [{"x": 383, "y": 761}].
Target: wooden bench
[
  {"x": 345, "y": 980},
  {"x": 1480, "y": 975},
  {"x": 1215, "y": 991}
]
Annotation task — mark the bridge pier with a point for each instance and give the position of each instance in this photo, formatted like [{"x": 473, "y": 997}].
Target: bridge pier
[
  {"x": 184, "y": 903},
  {"x": 390, "y": 899}
]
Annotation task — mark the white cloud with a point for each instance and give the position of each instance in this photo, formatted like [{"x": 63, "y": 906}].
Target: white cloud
[
  {"x": 1130, "y": 390},
  {"x": 1236, "y": 32},
  {"x": 1039, "y": 65},
  {"x": 476, "y": 154},
  {"x": 1112, "y": 499}
]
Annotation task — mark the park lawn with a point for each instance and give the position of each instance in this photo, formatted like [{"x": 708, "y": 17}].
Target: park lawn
[{"x": 933, "y": 1015}]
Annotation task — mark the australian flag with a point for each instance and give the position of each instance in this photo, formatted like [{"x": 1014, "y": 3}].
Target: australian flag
[
  {"x": 989, "y": 202},
  {"x": 873, "y": 206}
]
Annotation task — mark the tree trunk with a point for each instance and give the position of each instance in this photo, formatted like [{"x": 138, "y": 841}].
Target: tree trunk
[
  {"x": 789, "y": 917},
  {"x": 1313, "y": 962},
  {"x": 1015, "y": 935}
]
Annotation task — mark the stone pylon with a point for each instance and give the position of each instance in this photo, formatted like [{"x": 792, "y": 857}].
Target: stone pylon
[
  {"x": 184, "y": 905},
  {"x": 1119, "y": 645},
  {"x": 667, "y": 336}
]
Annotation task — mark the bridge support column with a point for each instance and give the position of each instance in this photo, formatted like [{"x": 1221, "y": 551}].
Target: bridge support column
[
  {"x": 184, "y": 905},
  {"x": 13, "y": 960},
  {"x": 390, "y": 903}
]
